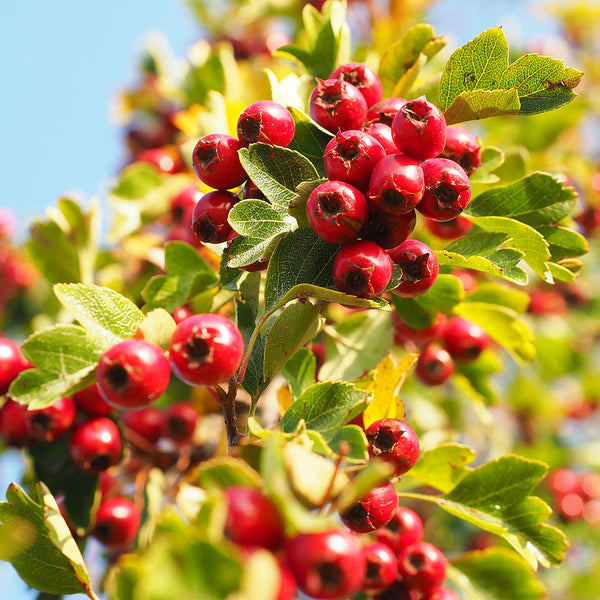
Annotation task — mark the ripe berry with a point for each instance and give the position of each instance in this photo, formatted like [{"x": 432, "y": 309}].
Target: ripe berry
[
  {"x": 419, "y": 129},
  {"x": 96, "y": 445},
  {"x": 442, "y": 593},
  {"x": 266, "y": 121},
  {"x": 336, "y": 104},
  {"x": 462, "y": 147},
  {"x": 179, "y": 421},
  {"x": 133, "y": 374},
  {"x": 464, "y": 340},
  {"x": 336, "y": 211},
  {"x": 449, "y": 230},
  {"x": 145, "y": 422},
  {"x": 180, "y": 313},
  {"x": 48, "y": 424},
  {"x": 90, "y": 400},
  {"x": 383, "y": 134},
  {"x": 373, "y": 511},
  {"x": 351, "y": 156},
  {"x": 14, "y": 425},
  {"x": 166, "y": 161},
  {"x": 363, "y": 269},
  {"x": 216, "y": 162},
  {"x": 117, "y": 523},
  {"x": 363, "y": 78},
  {"x": 206, "y": 349},
  {"x": 385, "y": 111},
  {"x": 396, "y": 185},
  {"x": 12, "y": 362},
  {"x": 252, "y": 519},
  {"x": 425, "y": 335},
  {"x": 209, "y": 219},
  {"x": 404, "y": 529},
  {"x": 422, "y": 567},
  {"x": 563, "y": 481},
  {"x": 382, "y": 567},
  {"x": 434, "y": 365},
  {"x": 447, "y": 189},
  {"x": 419, "y": 267},
  {"x": 397, "y": 591},
  {"x": 327, "y": 565},
  {"x": 394, "y": 441},
  {"x": 386, "y": 229},
  {"x": 182, "y": 205}
]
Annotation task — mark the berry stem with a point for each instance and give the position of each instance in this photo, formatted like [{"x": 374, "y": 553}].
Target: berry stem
[{"x": 230, "y": 415}]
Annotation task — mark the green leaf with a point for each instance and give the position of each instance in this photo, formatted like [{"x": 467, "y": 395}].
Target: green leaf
[
  {"x": 537, "y": 199},
  {"x": 41, "y": 548},
  {"x": 564, "y": 243},
  {"x": 351, "y": 437},
  {"x": 298, "y": 205},
  {"x": 136, "y": 180},
  {"x": 478, "y": 81},
  {"x": 443, "y": 296},
  {"x": 254, "y": 379},
  {"x": 474, "y": 379},
  {"x": 188, "y": 274},
  {"x": 324, "y": 407},
  {"x": 245, "y": 250},
  {"x": 298, "y": 323},
  {"x": 490, "y": 292},
  {"x": 224, "y": 471},
  {"x": 106, "y": 314},
  {"x": 158, "y": 328},
  {"x": 300, "y": 371},
  {"x": 310, "y": 138}
]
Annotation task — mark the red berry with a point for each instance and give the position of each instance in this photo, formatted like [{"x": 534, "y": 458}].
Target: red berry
[
  {"x": 48, "y": 424},
  {"x": 182, "y": 205},
  {"x": 336, "y": 104},
  {"x": 419, "y": 268},
  {"x": 404, "y": 528},
  {"x": 181, "y": 313},
  {"x": 117, "y": 523},
  {"x": 12, "y": 362},
  {"x": 563, "y": 481},
  {"x": 14, "y": 424},
  {"x": 336, "y": 211},
  {"x": 327, "y": 565},
  {"x": 422, "y": 567},
  {"x": 209, "y": 219},
  {"x": 180, "y": 421},
  {"x": 394, "y": 441},
  {"x": 419, "y": 129},
  {"x": 383, "y": 134},
  {"x": 373, "y": 511},
  {"x": 90, "y": 400},
  {"x": 165, "y": 161},
  {"x": 397, "y": 591},
  {"x": 96, "y": 445},
  {"x": 464, "y": 340},
  {"x": 351, "y": 156},
  {"x": 385, "y": 111},
  {"x": 363, "y": 269},
  {"x": 253, "y": 519},
  {"x": 216, "y": 162},
  {"x": 442, "y": 594},
  {"x": 266, "y": 121},
  {"x": 382, "y": 567},
  {"x": 425, "y": 335},
  {"x": 363, "y": 78},
  {"x": 133, "y": 374},
  {"x": 206, "y": 349},
  {"x": 386, "y": 229},
  {"x": 145, "y": 422},
  {"x": 447, "y": 189},
  {"x": 396, "y": 185},
  {"x": 462, "y": 147},
  {"x": 434, "y": 365},
  {"x": 450, "y": 230}
]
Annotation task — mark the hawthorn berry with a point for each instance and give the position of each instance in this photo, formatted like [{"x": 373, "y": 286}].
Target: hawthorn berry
[
  {"x": 404, "y": 529},
  {"x": 180, "y": 313},
  {"x": 422, "y": 567},
  {"x": 165, "y": 160},
  {"x": 90, "y": 400},
  {"x": 462, "y": 147},
  {"x": 393, "y": 441},
  {"x": 464, "y": 340},
  {"x": 397, "y": 591},
  {"x": 48, "y": 424},
  {"x": 96, "y": 445},
  {"x": 373, "y": 511},
  {"x": 447, "y": 189},
  {"x": 419, "y": 129},
  {"x": 206, "y": 349},
  {"x": 363, "y": 78},
  {"x": 404, "y": 332},
  {"x": 382, "y": 567},
  {"x": 133, "y": 374},
  {"x": 253, "y": 519},
  {"x": 328, "y": 565},
  {"x": 117, "y": 523},
  {"x": 12, "y": 362},
  {"x": 385, "y": 111},
  {"x": 386, "y": 229},
  {"x": 434, "y": 365},
  {"x": 450, "y": 230},
  {"x": 418, "y": 265},
  {"x": 383, "y": 134},
  {"x": 209, "y": 219},
  {"x": 362, "y": 268},
  {"x": 266, "y": 121},
  {"x": 14, "y": 424},
  {"x": 179, "y": 421},
  {"x": 336, "y": 105},
  {"x": 336, "y": 211},
  {"x": 182, "y": 205},
  {"x": 145, "y": 422},
  {"x": 216, "y": 162}
]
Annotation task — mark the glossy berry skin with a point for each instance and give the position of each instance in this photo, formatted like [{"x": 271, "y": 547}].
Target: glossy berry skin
[
  {"x": 447, "y": 189},
  {"x": 385, "y": 111},
  {"x": 209, "y": 219},
  {"x": 336, "y": 211},
  {"x": 419, "y": 129},
  {"x": 14, "y": 425},
  {"x": 206, "y": 349},
  {"x": 388, "y": 230},
  {"x": 434, "y": 365},
  {"x": 144, "y": 422},
  {"x": 462, "y": 147},
  {"x": 450, "y": 230},
  {"x": 393, "y": 441},
  {"x": 50, "y": 423},
  {"x": 180, "y": 421},
  {"x": 382, "y": 567},
  {"x": 404, "y": 529},
  {"x": 422, "y": 567},
  {"x": 336, "y": 105},
  {"x": 253, "y": 520},
  {"x": 216, "y": 162},
  {"x": 96, "y": 445},
  {"x": 373, "y": 511},
  {"x": 117, "y": 524},
  {"x": 12, "y": 362},
  {"x": 442, "y": 593},
  {"x": 328, "y": 565},
  {"x": 363, "y": 269},
  {"x": 383, "y": 134},
  {"x": 351, "y": 156},
  {"x": 90, "y": 400},
  {"x": 133, "y": 374},
  {"x": 419, "y": 267},
  {"x": 165, "y": 161},
  {"x": 464, "y": 340},
  {"x": 266, "y": 121},
  {"x": 180, "y": 313},
  {"x": 396, "y": 185},
  {"x": 404, "y": 332},
  {"x": 362, "y": 77}
]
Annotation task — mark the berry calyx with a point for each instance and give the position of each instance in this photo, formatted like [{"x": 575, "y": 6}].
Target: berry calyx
[
  {"x": 216, "y": 162},
  {"x": 386, "y": 229},
  {"x": 180, "y": 421},
  {"x": 117, "y": 523},
  {"x": 395, "y": 442},
  {"x": 209, "y": 219},
  {"x": 385, "y": 111},
  {"x": 462, "y": 147},
  {"x": 422, "y": 567},
  {"x": 434, "y": 365},
  {"x": 266, "y": 121},
  {"x": 363, "y": 78},
  {"x": 418, "y": 265},
  {"x": 373, "y": 511},
  {"x": 464, "y": 340},
  {"x": 336, "y": 105},
  {"x": 382, "y": 567},
  {"x": 96, "y": 445},
  {"x": 48, "y": 424}
]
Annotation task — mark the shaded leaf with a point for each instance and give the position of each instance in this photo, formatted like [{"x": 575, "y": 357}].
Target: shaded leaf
[{"x": 300, "y": 371}]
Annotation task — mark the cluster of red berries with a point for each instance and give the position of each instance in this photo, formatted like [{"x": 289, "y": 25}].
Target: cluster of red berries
[{"x": 576, "y": 494}]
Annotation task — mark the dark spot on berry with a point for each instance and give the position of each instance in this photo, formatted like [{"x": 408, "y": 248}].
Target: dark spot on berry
[
  {"x": 416, "y": 112},
  {"x": 435, "y": 367},
  {"x": 117, "y": 378},
  {"x": 41, "y": 423},
  {"x": 177, "y": 214},
  {"x": 352, "y": 77},
  {"x": 330, "y": 575},
  {"x": 249, "y": 127},
  {"x": 206, "y": 155},
  {"x": 393, "y": 199},
  {"x": 177, "y": 427},
  {"x": 372, "y": 570},
  {"x": 384, "y": 440},
  {"x": 104, "y": 532},
  {"x": 198, "y": 350},
  {"x": 101, "y": 462},
  {"x": 356, "y": 514},
  {"x": 330, "y": 205},
  {"x": 416, "y": 560},
  {"x": 394, "y": 526},
  {"x": 446, "y": 195},
  {"x": 206, "y": 230},
  {"x": 415, "y": 270},
  {"x": 348, "y": 150},
  {"x": 331, "y": 96},
  {"x": 471, "y": 352},
  {"x": 356, "y": 282}
]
